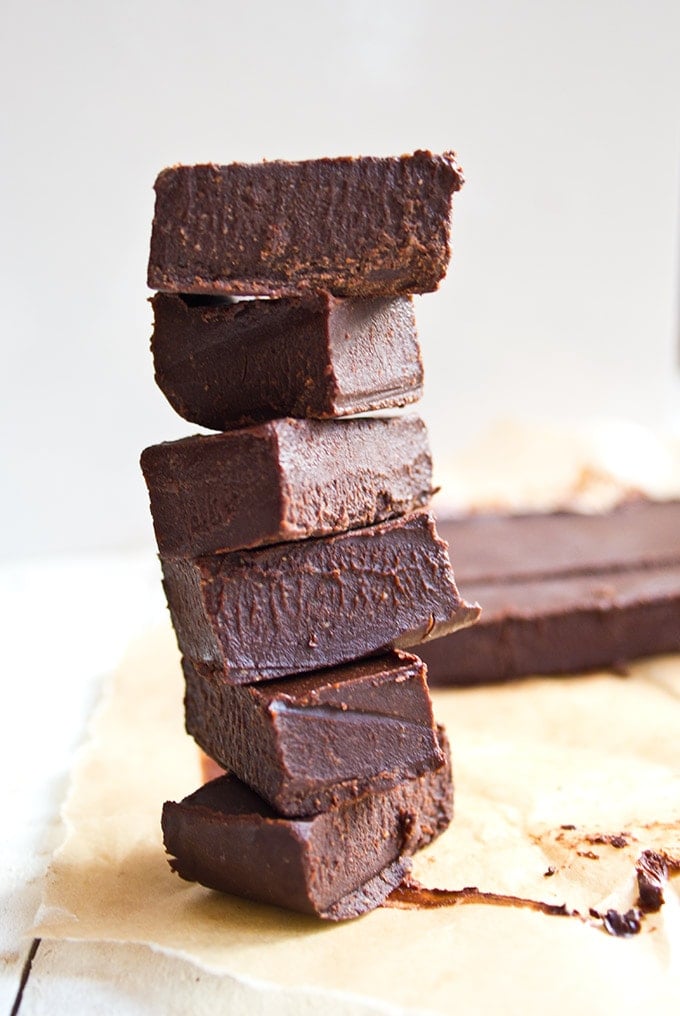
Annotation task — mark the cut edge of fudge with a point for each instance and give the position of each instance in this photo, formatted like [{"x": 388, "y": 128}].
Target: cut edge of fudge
[
  {"x": 224, "y": 363},
  {"x": 295, "y": 607},
  {"x": 564, "y": 624},
  {"x": 359, "y": 227}
]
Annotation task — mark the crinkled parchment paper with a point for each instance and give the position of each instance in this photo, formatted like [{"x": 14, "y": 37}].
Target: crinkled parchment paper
[{"x": 598, "y": 753}]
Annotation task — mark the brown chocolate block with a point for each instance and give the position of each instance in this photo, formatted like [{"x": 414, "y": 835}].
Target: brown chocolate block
[
  {"x": 223, "y": 364},
  {"x": 562, "y": 625},
  {"x": 502, "y": 548},
  {"x": 566, "y": 594},
  {"x": 284, "y": 480},
  {"x": 337, "y": 865},
  {"x": 294, "y": 607},
  {"x": 307, "y": 743},
  {"x": 352, "y": 227}
]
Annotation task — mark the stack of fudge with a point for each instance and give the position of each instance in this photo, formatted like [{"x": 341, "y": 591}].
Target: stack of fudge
[{"x": 299, "y": 556}]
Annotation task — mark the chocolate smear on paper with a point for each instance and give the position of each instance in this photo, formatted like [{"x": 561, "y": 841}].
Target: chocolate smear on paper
[{"x": 411, "y": 895}]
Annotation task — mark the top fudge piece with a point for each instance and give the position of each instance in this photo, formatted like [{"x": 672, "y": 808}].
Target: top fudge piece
[{"x": 364, "y": 227}]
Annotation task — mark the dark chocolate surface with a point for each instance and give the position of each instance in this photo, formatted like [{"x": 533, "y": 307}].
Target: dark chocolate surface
[
  {"x": 504, "y": 548},
  {"x": 307, "y": 743},
  {"x": 361, "y": 227},
  {"x": 337, "y": 864},
  {"x": 284, "y": 480},
  {"x": 563, "y": 592},
  {"x": 295, "y": 607},
  {"x": 223, "y": 364}
]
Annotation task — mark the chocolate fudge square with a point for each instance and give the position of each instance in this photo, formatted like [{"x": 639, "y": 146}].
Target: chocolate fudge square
[
  {"x": 224, "y": 363},
  {"x": 294, "y": 607},
  {"x": 364, "y": 227},
  {"x": 284, "y": 480},
  {"x": 308, "y": 742},
  {"x": 338, "y": 864}
]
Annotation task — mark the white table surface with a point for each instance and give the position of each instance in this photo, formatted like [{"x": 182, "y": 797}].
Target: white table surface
[{"x": 66, "y": 624}]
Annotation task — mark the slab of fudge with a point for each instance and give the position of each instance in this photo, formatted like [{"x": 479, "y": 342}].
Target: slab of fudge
[
  {"x": 224, "y": 363},
  {"x": 337, "y": 864},
  {"x": 293, "y": 607},
  {"x": 503, "y": 548},
  {"x": 574, "y": 593},
  {"x": 309, "y": 742},
  {"x": 360, "y": 227},
  {"x": 284, "y": 480}
]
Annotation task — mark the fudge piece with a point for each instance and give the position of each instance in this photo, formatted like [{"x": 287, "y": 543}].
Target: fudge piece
[
  {"x": 294, "y": 607},
  {"x": 306, "y": 743},
  {"x": 563, "y": 593},
  {"x": 502, "y": 548},
  {"x": 222, "y": 363},
  {"x": 562, "y": 625},
  {"x": 338, "y": 864},
  {"x": 284, "y": 480},
  {"x": 352, "y": 227}
]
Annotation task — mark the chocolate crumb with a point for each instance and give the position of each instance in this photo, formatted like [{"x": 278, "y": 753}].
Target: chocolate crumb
[
  {"x": 652, "y": 874},
  {"x": 623, "y": 925},
  {"x": 549, "y": 872},
  {"x": 567, "y": 826},
  {"x": 589, "y": 854},
  {"x": 617, "y": 840}
]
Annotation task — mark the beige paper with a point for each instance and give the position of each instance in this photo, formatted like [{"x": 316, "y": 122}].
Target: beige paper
[{"x": 600, "y": 753}]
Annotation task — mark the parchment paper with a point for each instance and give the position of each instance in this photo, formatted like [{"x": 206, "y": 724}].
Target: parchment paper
[{"x": 599, "y": 753}]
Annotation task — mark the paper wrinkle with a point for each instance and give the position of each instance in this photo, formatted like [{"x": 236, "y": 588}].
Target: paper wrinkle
[{"x": 597, "y": 752}]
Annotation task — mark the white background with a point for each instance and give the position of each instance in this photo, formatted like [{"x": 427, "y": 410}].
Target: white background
[{"x": 562, "y": 298}]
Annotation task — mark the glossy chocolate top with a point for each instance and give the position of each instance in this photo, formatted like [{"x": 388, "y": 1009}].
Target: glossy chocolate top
[
  {"x": 308, "y": 742},
  {"x": 498, "y": 548}
]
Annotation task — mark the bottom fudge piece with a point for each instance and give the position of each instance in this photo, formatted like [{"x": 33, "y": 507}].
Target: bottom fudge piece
[
  {"x": 339, "y": 864},
  {"x": 308, "y": 742}
]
